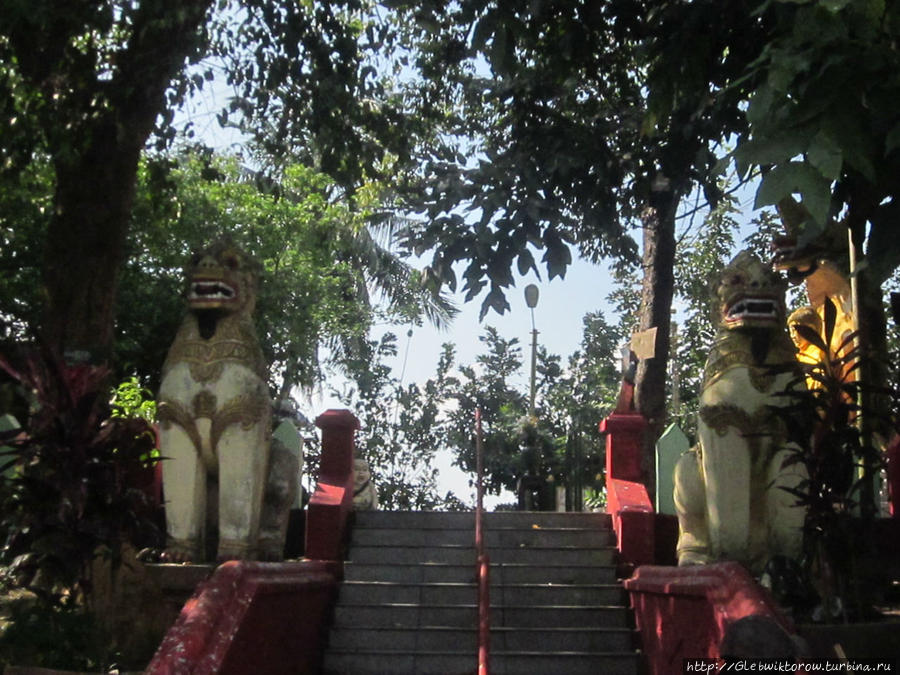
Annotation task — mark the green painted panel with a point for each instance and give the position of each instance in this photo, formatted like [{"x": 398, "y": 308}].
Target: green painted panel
[{"x": 670, "y": 446}]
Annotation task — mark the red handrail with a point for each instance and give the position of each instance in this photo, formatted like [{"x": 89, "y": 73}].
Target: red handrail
[{"x": 484, "y": 563}]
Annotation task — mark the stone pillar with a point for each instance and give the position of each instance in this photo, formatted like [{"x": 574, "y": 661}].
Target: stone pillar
[
  {"x": 627, "y": 499},
  {"x": 338, "y": 429},
  {"x": 331, "y": 503},
  {"x": 624, "y": 438}
]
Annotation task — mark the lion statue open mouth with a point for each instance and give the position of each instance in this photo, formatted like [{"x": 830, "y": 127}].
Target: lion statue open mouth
[
  {"x": 220, "y": 469},
  {"x": 729, "y": 493}
]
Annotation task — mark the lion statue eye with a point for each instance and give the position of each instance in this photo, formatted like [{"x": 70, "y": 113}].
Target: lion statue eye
[{"x": 231, "y": 262}]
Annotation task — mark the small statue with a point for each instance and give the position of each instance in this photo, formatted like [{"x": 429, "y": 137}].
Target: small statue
[
  {"x": 365, "y": 497},
  {"x": 220, "y": 467},
  {"x": 728, "y": 490}
]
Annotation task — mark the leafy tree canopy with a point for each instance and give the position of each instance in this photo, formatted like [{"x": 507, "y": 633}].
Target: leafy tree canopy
[
  {"x": 823, "y": 122},
  {"x": 404, "y": 426},
  {"x": 401, "y": 429},
  {"x": 320, "y": 262},
  {"x": 83, "y": 86},
  {"x": 561, "y": 125}
]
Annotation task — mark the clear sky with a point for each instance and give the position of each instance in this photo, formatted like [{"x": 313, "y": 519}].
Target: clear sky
[{"x": 558, "y": 318}]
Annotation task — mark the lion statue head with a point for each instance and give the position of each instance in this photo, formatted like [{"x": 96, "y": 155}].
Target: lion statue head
[
  {"x": 222, "y": 279},
  {"x": 749, "y": 295}
]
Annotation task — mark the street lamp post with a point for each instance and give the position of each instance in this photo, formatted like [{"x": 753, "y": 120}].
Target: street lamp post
[
  {"x": 531, "y": 486},
  {"x": 531, "y": 299}
]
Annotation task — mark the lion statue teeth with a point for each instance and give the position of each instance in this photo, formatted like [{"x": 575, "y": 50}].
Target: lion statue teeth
[
  {"x": 729, "y": 494},
  {"x": 215, "y": 421}
]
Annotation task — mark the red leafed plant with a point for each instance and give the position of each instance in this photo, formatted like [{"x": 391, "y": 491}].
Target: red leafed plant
[{"x": 66, "y": 494}]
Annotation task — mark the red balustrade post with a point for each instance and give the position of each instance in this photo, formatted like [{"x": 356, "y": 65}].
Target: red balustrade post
[
  {"x": 332, "y": 501},
  {"x": 624, "y": 437},
  {"x": 628, "y": 503}
]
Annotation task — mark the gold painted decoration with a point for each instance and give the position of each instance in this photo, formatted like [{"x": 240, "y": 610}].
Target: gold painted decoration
[{"x": 233, "y": 342}]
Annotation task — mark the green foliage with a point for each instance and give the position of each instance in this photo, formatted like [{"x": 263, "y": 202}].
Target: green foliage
[
  {"x": 532, "y": 144},
  {"x": 310, "y": 84},
  {"x": 701, "y": 255},
  {"x": 562, "y": 441},
  {"x": 53, "y": 636},
  {"x": 486, "y": 385},
  {"x": 578, "y": 398},
  {"x": 560, "y": 122},
  {"x": 403, "y": 426},
  {"x": 307, "y": 294},
  {"x": 131, "y": 400},
  {"x": 318, "y": 257},
  {"x": 25, "y": 208},
  {"x": 73, "y": 491},
  {"x": 822, "y": 117},
  {"x": 824, "y": 436},
  {"x": 81, "y": 90}
]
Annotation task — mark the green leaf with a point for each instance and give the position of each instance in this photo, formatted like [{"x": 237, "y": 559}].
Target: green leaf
[
  {"x": 760, "y": 107},
  {"x": 892, "y": 142},
  {"x": 825, "y": 155},
  {"x": 771, "y": 150},
  {"x": 785, "y": 67},
  {"x": 787, "y": 179},
  {"x": 525, "y": 262},
  {"x": 495, "y": 300},
  {"x": 557, "y": 256}
]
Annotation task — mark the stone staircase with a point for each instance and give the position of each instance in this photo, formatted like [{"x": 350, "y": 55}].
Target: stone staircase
[{"x": 408, "y": 603}]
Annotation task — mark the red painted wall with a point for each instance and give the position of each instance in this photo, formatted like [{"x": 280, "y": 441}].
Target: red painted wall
[
  {"x": 684, "y": 612},
  {"x": 251, "y": 617}
]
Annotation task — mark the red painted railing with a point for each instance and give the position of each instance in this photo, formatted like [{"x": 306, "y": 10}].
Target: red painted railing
[
  {"x": 484, "y": 563},
  {"x": 251, "y": 617},
  {"x": 685, "y": 612},
  {"x": 331, "y": 503},
  {"x": 680, "y": 612},
  {"x": 628, "y": 503}
]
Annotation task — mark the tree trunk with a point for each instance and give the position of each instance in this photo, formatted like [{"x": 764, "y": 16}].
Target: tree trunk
[
  {"x": 656, "y": 305},
  {"x": 873, "y": 372},
  {"x": 85, "y": 248},
  {"x": 96, "y": 172}
]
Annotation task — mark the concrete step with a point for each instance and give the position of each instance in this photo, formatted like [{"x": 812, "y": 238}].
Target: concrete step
[
  {"x": 511, "y": 595},
  {"x": 408, "y": 603},
  {"x": 413, "y": 615},
  {"x": 501, "y": 663},
  {"x": 510, "y": 573},
  {"x": 453, "y": 554},
  {"x": 466, "y": 519},
  {"x": 494, "y": 537},
  {"x": 436, "y": 638}
]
